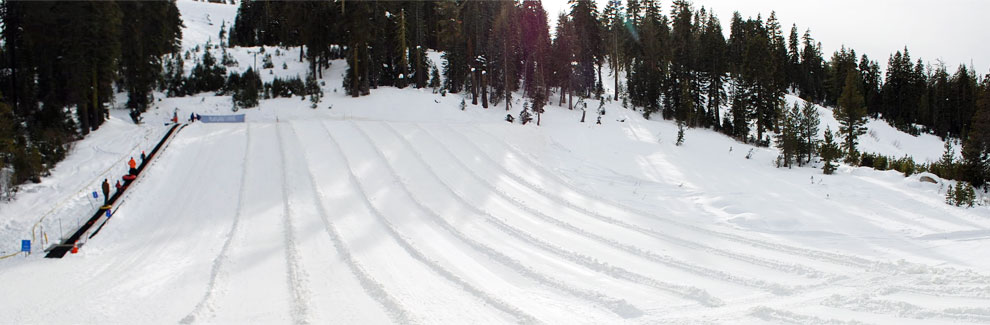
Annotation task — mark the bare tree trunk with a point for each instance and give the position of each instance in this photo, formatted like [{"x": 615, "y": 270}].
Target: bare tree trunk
[
  {"x": 474, "y": 87},
  {"x": 615, "y": 73},
  {"x": 505, "y": 77},
  {"x": 484, "y": 89},
  {"x": 600, "y": 84},
  {"x": 355, "y": 85}
]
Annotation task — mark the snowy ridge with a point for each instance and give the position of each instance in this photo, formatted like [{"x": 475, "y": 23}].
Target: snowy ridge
[
  {"x": 296, "y": 275},
  {"x": 396, "y": 311},
  {"x": 618, "y": 306},
  {"x": 782, "y": 316},
  {"x": 903, "y": 309},
  {"x": 216, "y": 270},
  {"x": 769, "y": 263},
  {"x": 662, "y": 259},
  {"x": 621, "y": 307},
  {"x": 417, "y": 254},
  {"x": 832, "y": 257}
]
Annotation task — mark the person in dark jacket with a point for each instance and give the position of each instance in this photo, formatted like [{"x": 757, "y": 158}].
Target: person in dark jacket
[
  {"x": 106, "y": 191},
  {"x": 143, "y": 156}
]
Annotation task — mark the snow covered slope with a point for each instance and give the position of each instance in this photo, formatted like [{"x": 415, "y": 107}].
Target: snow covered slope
[{"x": 400, "y": 208}]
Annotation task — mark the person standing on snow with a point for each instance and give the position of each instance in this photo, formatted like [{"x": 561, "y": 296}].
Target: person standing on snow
[
  {"x": 143, "y": 156},
  {"x": 133, "y": 165},
  {"x": 106, "y": 191}
]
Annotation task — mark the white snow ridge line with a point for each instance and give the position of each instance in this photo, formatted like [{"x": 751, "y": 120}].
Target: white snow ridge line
[
  {"x": 783, "y": 316},
  {"x": 775, "y": 288},
  {"x": 618, "y": 306},
  {"x": 765, "y": 262},
  {"x": 396, "y": 312},
  {"x": 296, "y": 275},
  {"x": 866, "y": 303},
  {"x": 218, "y": 262},
  {"x": 835, "y": 258},
  {"x": 408, "y": 246}
]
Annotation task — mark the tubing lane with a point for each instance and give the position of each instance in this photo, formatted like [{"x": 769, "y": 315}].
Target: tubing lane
[{"x": 60, "y": 250}]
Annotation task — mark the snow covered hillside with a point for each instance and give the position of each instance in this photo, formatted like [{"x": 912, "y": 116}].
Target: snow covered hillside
[{"x": 400, "y": 208}]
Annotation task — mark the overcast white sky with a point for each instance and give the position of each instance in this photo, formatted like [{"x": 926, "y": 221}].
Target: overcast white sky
[{"x": 954, "y": 31}]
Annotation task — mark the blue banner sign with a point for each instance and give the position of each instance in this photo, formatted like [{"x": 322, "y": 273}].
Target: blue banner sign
[
  {"x": 26, "y": 245},
  {"x": 236, "y": 118}
]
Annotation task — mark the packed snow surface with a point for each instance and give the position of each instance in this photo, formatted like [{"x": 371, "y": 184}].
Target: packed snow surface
[{"x": 401, "y": 208}]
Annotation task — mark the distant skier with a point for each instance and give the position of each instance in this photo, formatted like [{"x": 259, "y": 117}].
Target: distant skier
[
  {"x": 197, "y": 116},
  {"x": 118, "y": 186},
  {"x": 106, "y": 191},
  {"x": 133, "y": 165},
  {"x": 143, "y": 156},
  {"x": 192, "y": 117},
  {"x": 175, "y": 117}
]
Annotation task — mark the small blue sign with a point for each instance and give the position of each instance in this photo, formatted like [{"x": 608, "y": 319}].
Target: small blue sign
[
  {"x": 26, "y": 245},
  {"x": 95, "y": 195}
]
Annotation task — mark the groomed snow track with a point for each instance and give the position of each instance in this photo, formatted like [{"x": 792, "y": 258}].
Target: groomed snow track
[{"x": 342, "y": 221}]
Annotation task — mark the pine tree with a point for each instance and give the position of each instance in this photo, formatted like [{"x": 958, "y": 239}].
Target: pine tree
[
  {"x": 790, "y": 136},
  {"x": 358, "y": 32},
  {"x": 808, "y": 125},
  {"x": 950, "y": 196},
  {"x": 793, "y": 59},
  {"x": 714, "y": 68},
  {"x": 680, "y": 133},
  {"x": 976, "y": 148},
  {"x": 313, "y": 90},
  {"x": 829, "y": 151},
  {"x": 434, "y": 79},
  {"x": 852, "y": 116},
  {"x": 650, "y": 57},
  {"x": 535, "y": 50},
  {"x": 682, "y": 88},
  {"x": 587, "y": 45},
  {"x": 150, "y": 31},
  {"x": 614, "y": 26},
  {"x": 506, "y": 51},
  {"x": 247, "y": 94},
  {"x": 812, "y": 84},
  {"x": 946, "y": 166},
  {"x": 870, "y": 78}
]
